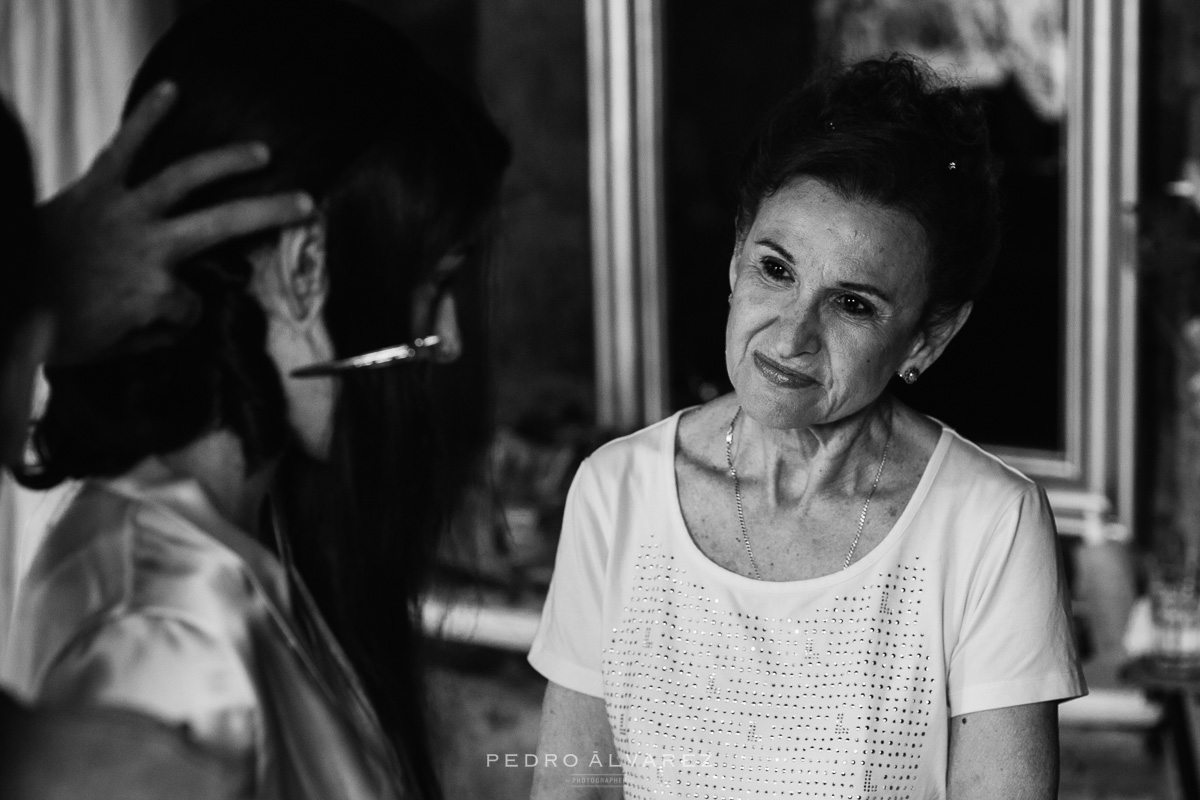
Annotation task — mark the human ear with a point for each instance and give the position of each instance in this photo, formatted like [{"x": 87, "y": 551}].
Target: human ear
[
  {"x": 302, "y": 274},
  {"x": 933, "y": 340}
]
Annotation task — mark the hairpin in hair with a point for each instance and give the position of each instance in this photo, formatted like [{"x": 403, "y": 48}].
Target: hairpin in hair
[{"x": 419, "y": 349}]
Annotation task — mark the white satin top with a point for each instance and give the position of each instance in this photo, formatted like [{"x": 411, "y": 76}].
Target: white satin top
[{"x": 143, "y": 597}]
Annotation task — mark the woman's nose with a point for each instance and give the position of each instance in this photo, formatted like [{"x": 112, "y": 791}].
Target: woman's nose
[{"x": 801, "y": 330}]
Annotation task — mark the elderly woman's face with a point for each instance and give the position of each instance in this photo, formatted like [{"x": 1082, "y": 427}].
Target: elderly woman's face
[{"x": 827, "y": 300}]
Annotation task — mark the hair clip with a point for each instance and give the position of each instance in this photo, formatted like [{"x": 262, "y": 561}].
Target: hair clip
[
  {"x": 952, "y": 166},
  {"x": 421, "y": 349}
]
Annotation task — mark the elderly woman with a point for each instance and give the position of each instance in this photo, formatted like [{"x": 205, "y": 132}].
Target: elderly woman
[{"x": 806, "y": 588}]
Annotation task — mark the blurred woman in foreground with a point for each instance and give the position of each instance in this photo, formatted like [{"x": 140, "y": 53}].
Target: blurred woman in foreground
[
  {"x": 80, "y": 270},
  {"x": 294, "y": 420}
]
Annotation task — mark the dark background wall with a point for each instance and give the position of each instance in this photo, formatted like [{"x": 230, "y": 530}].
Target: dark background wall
[
  {"x": 533, "y": 73},
  {"x": 527, "y": 61}
]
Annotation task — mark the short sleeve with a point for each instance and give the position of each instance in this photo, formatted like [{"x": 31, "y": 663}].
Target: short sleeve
[
  {"x": 166, "y": 668},
  {"x": 570, "y": 636},
  {"x": 1015, "y": 644}
]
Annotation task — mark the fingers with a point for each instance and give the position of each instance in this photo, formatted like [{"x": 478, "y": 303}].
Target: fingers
[
  {"x": 137, "y": 128},
  {"x": 203, "y": 229},
  {"x": 180, "y": 179}
]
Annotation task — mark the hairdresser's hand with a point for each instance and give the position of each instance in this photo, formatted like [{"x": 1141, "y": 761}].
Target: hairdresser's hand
[{"x": 112, "y": 249}]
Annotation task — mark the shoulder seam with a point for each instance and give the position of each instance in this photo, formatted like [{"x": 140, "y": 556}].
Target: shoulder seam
[{"x": 1009, "y": 469}]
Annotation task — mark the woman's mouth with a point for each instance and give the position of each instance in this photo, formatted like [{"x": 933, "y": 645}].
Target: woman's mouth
[{"x": 780, "y": 375}]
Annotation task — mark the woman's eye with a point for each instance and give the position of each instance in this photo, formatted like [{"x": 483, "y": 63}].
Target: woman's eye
[
  {"x": 855, "y": 306},
  {"x": 774, "y": 270}
]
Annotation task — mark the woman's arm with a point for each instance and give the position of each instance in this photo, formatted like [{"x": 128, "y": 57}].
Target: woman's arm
[
  {"x": 1005, "y": 752},
  {"x": 575, "y": 724}
]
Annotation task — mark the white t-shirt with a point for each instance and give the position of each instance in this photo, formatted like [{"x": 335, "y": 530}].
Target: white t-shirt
[{"x": 842, "y": 686}]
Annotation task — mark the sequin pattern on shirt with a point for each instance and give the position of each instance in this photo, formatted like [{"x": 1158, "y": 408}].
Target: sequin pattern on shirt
[{"x": 706, "y": 701}]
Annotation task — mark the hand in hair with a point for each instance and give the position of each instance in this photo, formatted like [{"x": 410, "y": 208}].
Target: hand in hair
[{"x": 112, "y": 247}]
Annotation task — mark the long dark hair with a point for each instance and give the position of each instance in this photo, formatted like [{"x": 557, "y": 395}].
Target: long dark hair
[{"x": 404, "y": 169}]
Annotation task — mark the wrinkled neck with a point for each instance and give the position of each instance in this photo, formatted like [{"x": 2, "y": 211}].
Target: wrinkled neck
[{"x": 794, "y": 465}]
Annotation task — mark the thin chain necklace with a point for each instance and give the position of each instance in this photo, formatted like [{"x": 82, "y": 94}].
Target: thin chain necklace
[{"x": 737, "y": 495}]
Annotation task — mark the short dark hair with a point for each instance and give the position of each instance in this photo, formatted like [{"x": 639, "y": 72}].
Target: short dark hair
[{"x": 887, "y": 131}]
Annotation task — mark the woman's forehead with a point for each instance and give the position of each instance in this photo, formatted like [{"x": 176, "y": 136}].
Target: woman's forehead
[{"x": 808, "y": 212}]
